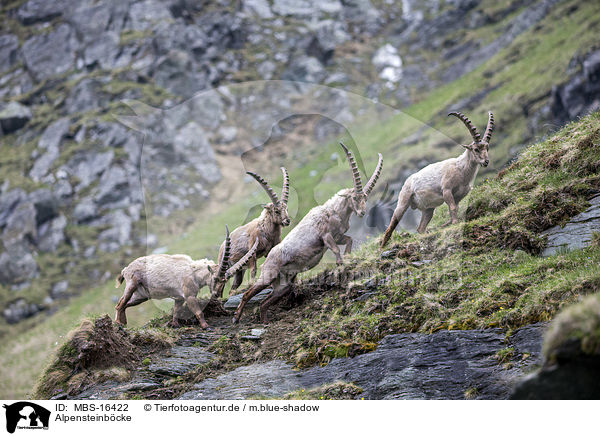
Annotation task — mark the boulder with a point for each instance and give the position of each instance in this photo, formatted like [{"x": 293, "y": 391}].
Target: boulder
[
  {"x": 17, "y": 264},
  {"x": 85, "y": 96},
  {"x": 14, "y": 116},
  {"x": 85, "y": 211},
  {"x": 50, "y": 54},
  {"x": 9, "y": 48},
  {"x": 145, "y": 14},
  {"x": 192, "y": 147},
  {"x": 35, "y": 11},
  {"x": 19, "y": 310},
  {"x": 258, "y": 8},
  {"x": 86, "y": 167},
  {"x": 51, "y": 234},
  {"x": 388, "y": 63},
  {"x": 21, "y": 225},
  {"x": 305, "y": 69},
  {"x": 118, "y": 234},
  {"x": 113, "y": 186},
  {"x": 102, "y": 51},
  {"x": 60, "y": 288},
  {"x": 46, "y": 205},
  {"x": 8, "y": 202}
]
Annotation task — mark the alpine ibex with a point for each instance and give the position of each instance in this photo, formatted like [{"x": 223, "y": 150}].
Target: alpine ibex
[
  {"x": 323, "y": 228},
  {"x": 266, "y": 229},
  {"x": 447, "y": 181},
  {"x": 175, "y": 276}
]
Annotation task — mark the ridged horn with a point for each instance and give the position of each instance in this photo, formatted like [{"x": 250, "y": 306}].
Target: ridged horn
[
  {"x": 489, "y": 129},
  {"x": 243, "y": 261},
  {"x": 355, "y": 174},
  {"x": 225, "y": 256},
  {"x": 265, "y": 186},
  {"x": 285, "y": 192},
  {"x": 474, "y": 133},
  {"x": 375, "y": 176}
]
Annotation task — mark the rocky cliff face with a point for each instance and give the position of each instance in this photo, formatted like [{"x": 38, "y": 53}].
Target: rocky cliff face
[{"x": 72, "y": 175}]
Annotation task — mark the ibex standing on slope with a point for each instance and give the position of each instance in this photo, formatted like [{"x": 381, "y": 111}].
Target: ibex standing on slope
[
  {"x": 322, "y": 228},
  {"x": 175, "y": 276},
  {"x": 266, "y": 229},
  {"x": 448, "y": 181}
]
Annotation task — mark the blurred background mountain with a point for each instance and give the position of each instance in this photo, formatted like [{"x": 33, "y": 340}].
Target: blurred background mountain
[{"x": 72, "y": 209}]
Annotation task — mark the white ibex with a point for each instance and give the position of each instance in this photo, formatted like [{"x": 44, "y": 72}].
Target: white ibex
[
  {"x": 266, "y": 229},
  {"x": 175, "y": 276},
  {"x": 447, "y": 181},
  {"x": 323, "y": 228}
]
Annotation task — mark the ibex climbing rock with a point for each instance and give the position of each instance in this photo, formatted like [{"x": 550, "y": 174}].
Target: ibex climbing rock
[
  {"x": 176, "y": 276},
  {"x": 323, "y": 228},
  {"x": 266, "y": 229},
  {"x": 448, "y": 181}
]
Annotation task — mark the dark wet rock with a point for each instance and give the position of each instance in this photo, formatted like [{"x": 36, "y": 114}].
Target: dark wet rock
[
  {"x": 17, "y": 264},
  {"x": 19, "y": 310},
  {"x": 50, "y": 54},
  {"x": 51, "y": 234},
  {"x": 580, "y": 95},
  {"x": 9, "y": 46},
  {"x": 233, "y": 302},
  {"x": 35, "y": 11},
  {"x": 46, "y": 205},
  {"x": 577, "y": 233},
  {"x": 388, "y": 254},
  {"x": 575, "y": 380},
  {"x": 180, "y": 361},
  {"x": 443, "y": 365},
  {"x": 14, "y": 116}
]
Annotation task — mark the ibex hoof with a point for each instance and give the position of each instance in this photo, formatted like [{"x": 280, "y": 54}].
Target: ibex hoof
[{"x": 235, "y": 320}]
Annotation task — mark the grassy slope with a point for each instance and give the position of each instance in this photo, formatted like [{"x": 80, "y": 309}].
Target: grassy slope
[
  {"x": 521, "y": 72},
  {"x": 485, "y": 272}
]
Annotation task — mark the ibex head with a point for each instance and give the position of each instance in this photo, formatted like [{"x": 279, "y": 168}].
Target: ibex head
[
  {"x": 479, "y": 147},
  {"x": 222, "y": 274},
  {"x": 277, "y": 208},
  {"x": 358, "y": 199}
]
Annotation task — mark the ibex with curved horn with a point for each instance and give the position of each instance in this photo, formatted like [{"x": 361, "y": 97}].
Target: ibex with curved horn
[
  {"x": 323, "y": 228},
  {"x": 176, "y": 276},
  {"x": 266, "y": 229},
  {"x": 448, "y": 181}
]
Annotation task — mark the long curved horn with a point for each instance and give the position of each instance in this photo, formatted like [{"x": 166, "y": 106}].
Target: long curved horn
[
  {"x": 265, "y": 186},
  {"x": 375, "y": 176},
  {"x": 285, "y": 192},
  {"x": 355, "y": 174},
  {"x": 474, "y": 133},
  {"x": 225, "y": 257},
  {"x": 243, "y": 261},
  {"x": 489, "y": 129}
]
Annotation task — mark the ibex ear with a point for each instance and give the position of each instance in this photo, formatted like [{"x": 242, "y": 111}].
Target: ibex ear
[
  {"x": 468, "y": 146},
  {"x": 210, "y": 270}
]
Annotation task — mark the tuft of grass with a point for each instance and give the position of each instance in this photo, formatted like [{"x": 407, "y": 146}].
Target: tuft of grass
[{"x": 338, "y": 390}]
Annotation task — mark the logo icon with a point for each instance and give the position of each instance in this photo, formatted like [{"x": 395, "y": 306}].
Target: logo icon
[{"x": 26, "y": 415}]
